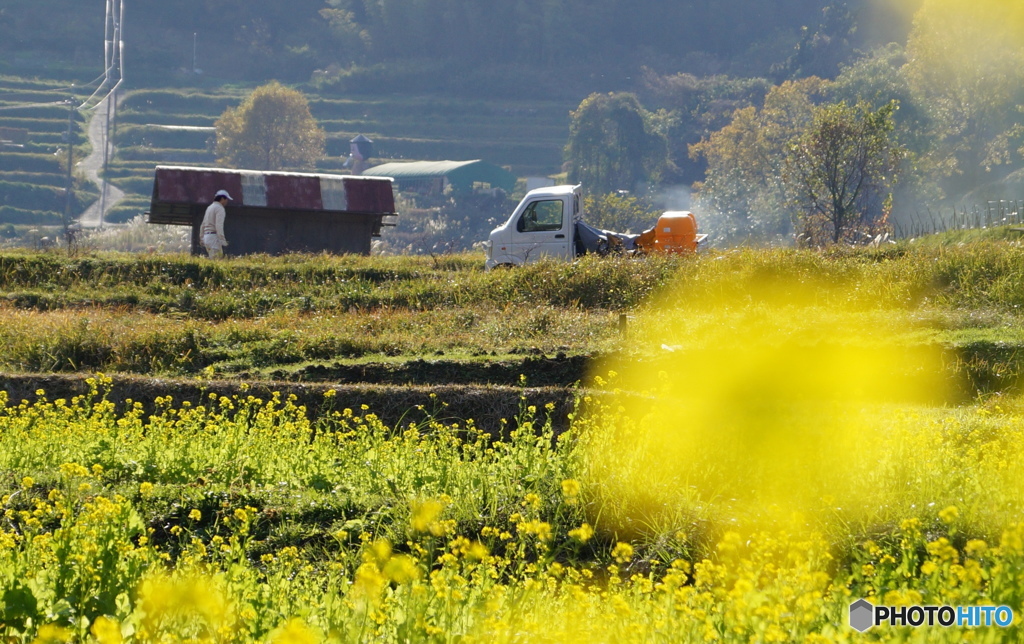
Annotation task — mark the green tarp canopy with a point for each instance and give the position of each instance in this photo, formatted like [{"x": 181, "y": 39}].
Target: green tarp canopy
[{"x": 462, "y": 175}]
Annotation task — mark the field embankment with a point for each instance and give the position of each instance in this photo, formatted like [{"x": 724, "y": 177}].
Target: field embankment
[{"x": 443, "y": 320}]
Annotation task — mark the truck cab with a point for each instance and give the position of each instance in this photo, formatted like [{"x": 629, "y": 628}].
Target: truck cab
[{"x": 542, "y": 225}]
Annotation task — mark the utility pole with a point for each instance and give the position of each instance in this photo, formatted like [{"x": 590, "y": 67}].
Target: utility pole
[
  {"x": 111, "y": 99},
  {"x": 194, "y": 40},
  {"x": 70, "y": 178}
]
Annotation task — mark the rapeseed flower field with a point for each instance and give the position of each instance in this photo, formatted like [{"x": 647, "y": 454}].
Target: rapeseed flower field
[
  {"x": 767, "y": 452},
  {"x": 241, "y": 520}
]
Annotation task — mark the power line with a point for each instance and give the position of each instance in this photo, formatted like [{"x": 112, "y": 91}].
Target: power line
[{"x": 113, "y": 52}]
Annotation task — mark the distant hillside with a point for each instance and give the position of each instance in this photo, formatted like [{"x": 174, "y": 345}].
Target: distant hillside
[
  {"x": 425, "y": 79},
  {"x": 463, "y": 46}
]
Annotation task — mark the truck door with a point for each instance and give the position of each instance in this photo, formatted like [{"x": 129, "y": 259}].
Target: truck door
[{"x": 541, "y": 231}]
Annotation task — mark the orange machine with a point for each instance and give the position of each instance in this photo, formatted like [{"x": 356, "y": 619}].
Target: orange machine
[{"x": 675, "y": 232}]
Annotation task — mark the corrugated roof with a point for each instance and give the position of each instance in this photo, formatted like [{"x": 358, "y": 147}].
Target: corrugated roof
[
  {"x": 177, "y": 188},
  {"x": 461, "y": 174},
  {"x": 417, "y": 169}
]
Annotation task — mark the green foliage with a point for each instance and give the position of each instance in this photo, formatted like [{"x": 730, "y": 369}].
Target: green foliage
[
  {"x": 125, "y": 211},
  {"x": 823, "y": 50},
  {"x": 624, "y": 213},
  {"x": 612, "y": 144},
  {"x": 965, "y": 62},
  {"x": 840, "y": 173},
  {"x": 28, "y": 196},
  {"x": 271, "y": 130},
  {"x": 178, "y": 315},
  {"x": 743, "y": 194},
  {"x": 136, "y": 135},
  {"x": 690, "y": 108},
  {"x": 35, "y": 217}
]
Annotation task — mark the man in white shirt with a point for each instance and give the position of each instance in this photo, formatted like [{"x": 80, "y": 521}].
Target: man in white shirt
[{"x": 212, "y": 230}]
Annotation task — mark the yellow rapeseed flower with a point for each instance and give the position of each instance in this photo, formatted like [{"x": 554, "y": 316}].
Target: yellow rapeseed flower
[
  {"x": 195, "y": 515},
  {"x": 53, "y": 634},
  {"x": 570, "y": 489},
  {"x": 975, "y": 548},
  {"x": 424, "y": 515},
  {"x": 401, "y": 569},
  {"x": 622, "y": 552},
  {"x": 949, "y": 515},
  {"x": 106, "y": 630},
  {"x": 582, "y": 533},
  {"x": 294, "y": 631}
]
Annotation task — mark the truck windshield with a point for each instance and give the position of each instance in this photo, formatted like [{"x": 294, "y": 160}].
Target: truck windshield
[{"x": 541, "y": 216}]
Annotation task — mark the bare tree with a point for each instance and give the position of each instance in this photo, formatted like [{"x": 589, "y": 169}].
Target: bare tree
[{"x": 840, "y": 172}]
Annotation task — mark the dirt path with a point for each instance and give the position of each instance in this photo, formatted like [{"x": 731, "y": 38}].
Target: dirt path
[{"x": 91, "y": 166}]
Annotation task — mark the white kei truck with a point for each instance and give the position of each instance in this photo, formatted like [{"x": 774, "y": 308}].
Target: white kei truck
[{"x": 548, "y": 223}]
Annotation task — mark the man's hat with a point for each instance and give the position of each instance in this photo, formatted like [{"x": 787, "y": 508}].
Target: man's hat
[{"x": 222, "y": 193}]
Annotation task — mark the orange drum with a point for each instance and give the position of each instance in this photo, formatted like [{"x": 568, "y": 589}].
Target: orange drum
[{"x": 676, "y": 232}]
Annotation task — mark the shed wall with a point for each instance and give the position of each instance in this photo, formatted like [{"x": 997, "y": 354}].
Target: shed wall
[{"x": 277, "y": 232}]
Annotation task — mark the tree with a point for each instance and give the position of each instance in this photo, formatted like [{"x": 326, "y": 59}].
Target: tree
[
  {"x": 620, "y": 212},
  {"x": 965, "y": 64},
  {"x": 743, "y": 190},
  {"x": 351, "y": 40},
  {"x": 271, "y": 130},
  {"x": 612, "y": 145},
  {"x": 879, "y": 77},
  {"x": 822, "y": 51},
  {"x": 840, "y": 172}
]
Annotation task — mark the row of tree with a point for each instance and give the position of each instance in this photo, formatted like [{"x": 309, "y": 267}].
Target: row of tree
[
  {"x": 826, "y": 159},
  {"x": 446, "y": 39}
]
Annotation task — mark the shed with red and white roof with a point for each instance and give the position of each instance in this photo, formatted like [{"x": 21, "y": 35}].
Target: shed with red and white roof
[{"x": 277, "y": 212}]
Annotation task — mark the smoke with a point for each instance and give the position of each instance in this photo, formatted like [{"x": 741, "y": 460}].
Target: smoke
[
  {"x": 709, "y": 221},
  {"x": 674, "y": 198}
]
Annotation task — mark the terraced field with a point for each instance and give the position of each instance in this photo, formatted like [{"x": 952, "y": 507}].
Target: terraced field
[
  {"x": 33, "y": 172},
  {"x": 164, "y": 126}
]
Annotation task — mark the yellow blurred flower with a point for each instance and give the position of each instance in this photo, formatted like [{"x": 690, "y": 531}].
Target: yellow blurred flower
[
  {"x": 294, "y": 631},
  {"x": 570, "y": 489},
  {"x": 106, "y": 630},
  {"x": 622, "y": 552},
  {"x": 53, "y": 634},
  {"x": 424, "y": 515},
  {"x": 582, "y": 533}
]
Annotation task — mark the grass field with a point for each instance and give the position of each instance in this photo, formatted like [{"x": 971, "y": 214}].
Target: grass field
[{"x": 773, "y": 435}]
